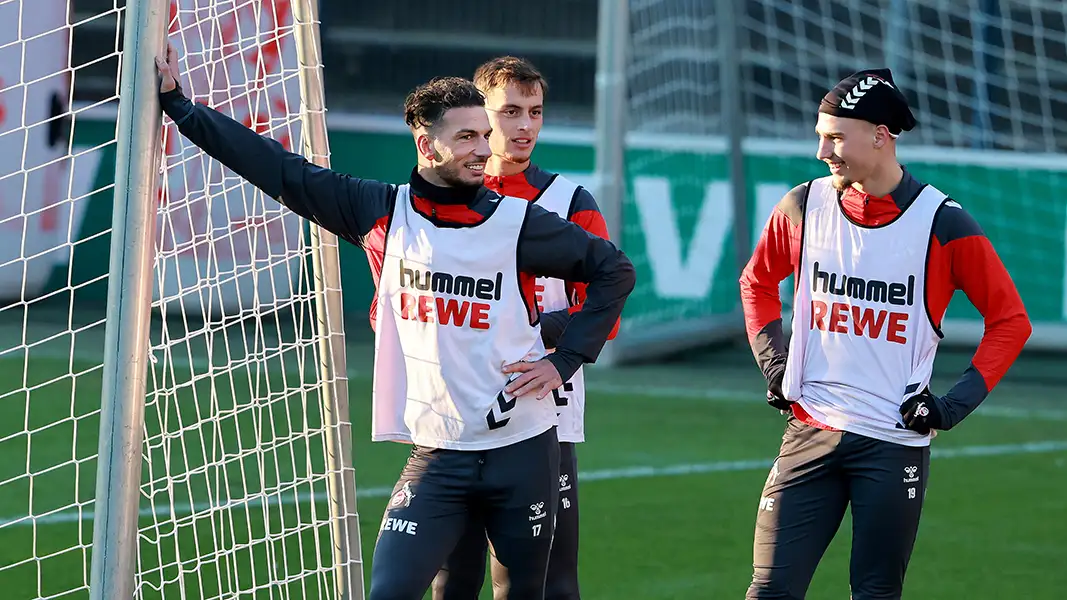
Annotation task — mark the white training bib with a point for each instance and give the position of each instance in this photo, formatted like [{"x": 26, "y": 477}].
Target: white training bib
[
  {"x": 862, "y": 339},
  {"x": 552, "y": 296},
  {"x": 450, "y": 315}
]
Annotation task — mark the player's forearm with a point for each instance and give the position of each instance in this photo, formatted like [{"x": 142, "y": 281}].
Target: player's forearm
[
  {"x": 552, "y": 247},
  {"x": 963, "y": 398},
  {"x": 982, "y": 276},
  {"x": 760, "y": 300},
  {"x": 588, "y": 330},
  {"x": 346, "y": 206},
  {"x": 552, "y": 326},
  {"x": 769, "y": 349},
  {"x": 1000, "y": 346}
]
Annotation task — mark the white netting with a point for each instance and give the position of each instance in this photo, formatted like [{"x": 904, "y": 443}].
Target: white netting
[
  {"x": 980, "y": 73},
  {"x": 677, "y": 212},
  {"x": 232, "y": 501},
  {"x": 50, "y": 269},
  {"x": 235, "y": 479},
  {"x": 987, "y": 80}
]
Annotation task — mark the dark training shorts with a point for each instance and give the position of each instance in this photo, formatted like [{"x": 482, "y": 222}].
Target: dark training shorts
[
  {"x": 463, "y": 574},
  {"x": 511, "y": 492},
  {"x": 817, "y": 475}
]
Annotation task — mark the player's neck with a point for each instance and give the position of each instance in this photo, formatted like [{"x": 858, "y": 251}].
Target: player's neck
[
  {"x": 496, "y": 166},
  {"x": 429, "y": 175},
  {"x": 882, "y": 182},
  {"x": 428, "y": 185}
]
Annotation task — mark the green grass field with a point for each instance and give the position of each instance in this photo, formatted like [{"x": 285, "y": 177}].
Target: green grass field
[{"x": 676, "y": 457}]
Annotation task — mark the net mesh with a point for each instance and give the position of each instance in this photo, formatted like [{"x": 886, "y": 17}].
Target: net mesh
[
  {"x": 987, "y": 81},
  {"x": 232, "y": 500},
  {"x": 50, "y": 360},
  {"x": 677, "y": 212},
  {"x": 234, "y": 473}
]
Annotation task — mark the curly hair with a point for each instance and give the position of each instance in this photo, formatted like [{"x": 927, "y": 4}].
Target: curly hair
[
  {"x": 426, "y": 104},
  {"x": 503, "y": 70}
]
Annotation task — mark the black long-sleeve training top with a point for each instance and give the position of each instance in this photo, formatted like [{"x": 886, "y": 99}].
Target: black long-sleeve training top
[{"x": 358, "y": 211}]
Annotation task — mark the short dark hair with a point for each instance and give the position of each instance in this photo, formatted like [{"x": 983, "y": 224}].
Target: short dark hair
[
  {"x": 426, "y": 104},
  {"x": 503, "y": 70}
]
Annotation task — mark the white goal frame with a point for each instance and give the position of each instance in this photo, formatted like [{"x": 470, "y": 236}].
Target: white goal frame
[{"x": 126, "y": 350}]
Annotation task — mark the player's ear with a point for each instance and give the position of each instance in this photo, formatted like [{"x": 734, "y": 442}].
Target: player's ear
[
  {"x": 424, "y": 144},
  {"x": 881, "y": 135}
]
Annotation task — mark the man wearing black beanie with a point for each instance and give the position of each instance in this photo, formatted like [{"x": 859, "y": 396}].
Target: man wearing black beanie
[{"x": 877, "y": 255}]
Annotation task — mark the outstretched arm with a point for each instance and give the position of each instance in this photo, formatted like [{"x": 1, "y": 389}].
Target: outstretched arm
[{"x": 345, "y": 205}]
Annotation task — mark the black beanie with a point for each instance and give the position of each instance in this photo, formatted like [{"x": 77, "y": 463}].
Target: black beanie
[{"x": 870, "y": 95}]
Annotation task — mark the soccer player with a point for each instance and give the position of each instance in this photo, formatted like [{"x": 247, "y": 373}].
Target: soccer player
[
  {"x": 460, "y": 370},
  {"x": 877, "y": 255},
  {"x": 515, "y": 91}
]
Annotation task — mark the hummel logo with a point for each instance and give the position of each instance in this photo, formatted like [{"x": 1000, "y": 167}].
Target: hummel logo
[
  {"x": 538, "y": 511},
  {"x": 860, "y": 90}
]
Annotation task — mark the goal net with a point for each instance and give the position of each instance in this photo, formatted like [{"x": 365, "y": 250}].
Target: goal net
[
  {"x": 677, "y": 213},
  {"x": 236, "y": 483},
  {"x": 986, "y": 80},
  {"x": 50, "y": 359}
]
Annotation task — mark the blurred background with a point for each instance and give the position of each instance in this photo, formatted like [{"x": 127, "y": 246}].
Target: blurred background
[
  {"x": 987, "y": 80},
  {"x": 688, "y": 119}
]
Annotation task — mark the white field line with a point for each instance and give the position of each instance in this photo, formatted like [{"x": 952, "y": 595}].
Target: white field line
[
  {"x": 86, "y": 513},
  {"x": 593, "y": 384},
  {"x": 727, "y": 395}
]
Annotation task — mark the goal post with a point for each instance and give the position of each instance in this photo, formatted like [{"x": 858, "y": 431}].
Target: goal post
[
  {"x": 329, "y": 307},
  {"x": 196, "y": 442},
  {"x": 613, "y": 26},
  {"x": 666, "y": 143},
  {"x": 125, "y": 352},
  {"x": 249, "y": 454}
]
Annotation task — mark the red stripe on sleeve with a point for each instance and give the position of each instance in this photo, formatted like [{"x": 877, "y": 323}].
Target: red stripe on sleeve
[
  {"x": 593, "y": 222},
  {"x": 775, "y": 258},
  {"x": 374, "y": 246},
  {"x": 972, "y": 265}
]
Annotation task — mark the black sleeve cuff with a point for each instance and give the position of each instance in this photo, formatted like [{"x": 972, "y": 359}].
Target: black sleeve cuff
[
  {"x": 566, "y": 362},
  {"x": 553, "y": 324},
  {"x": 964, "y": 397},
  {"x": 176, "y": 105},
  {"x": 769, "y": 349}
]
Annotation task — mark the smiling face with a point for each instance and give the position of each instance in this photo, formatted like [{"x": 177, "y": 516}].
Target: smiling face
[
  {"x": 515, "y": 113},
  {"x": 457, "y": 145},
  {"x": 447, "y": 119},
  {"x": 849, "y": 147}
]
